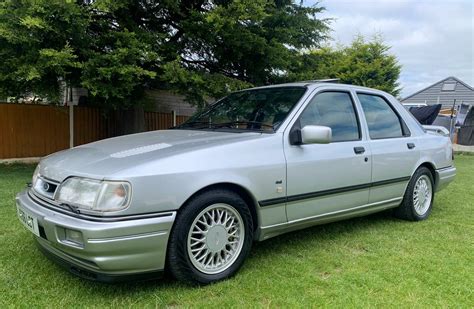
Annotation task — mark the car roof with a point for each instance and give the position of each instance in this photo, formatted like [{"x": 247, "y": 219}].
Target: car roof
[{"x": 312, "y": 84}]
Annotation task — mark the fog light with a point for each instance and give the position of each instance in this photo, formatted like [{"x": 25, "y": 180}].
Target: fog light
[{"x": 74, "y": 236}]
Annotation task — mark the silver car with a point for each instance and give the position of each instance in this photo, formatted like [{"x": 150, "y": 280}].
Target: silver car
[{"x": 256, "y": 164}]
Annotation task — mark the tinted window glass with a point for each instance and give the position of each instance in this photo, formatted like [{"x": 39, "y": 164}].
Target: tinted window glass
[
  {"x": 334, "y": 110},
  {"x": 382, "y": 120}
]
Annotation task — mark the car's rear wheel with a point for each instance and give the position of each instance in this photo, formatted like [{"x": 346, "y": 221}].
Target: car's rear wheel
[
  {"x": 418, "y": 199},
  {"x": 211, "y": 238}
]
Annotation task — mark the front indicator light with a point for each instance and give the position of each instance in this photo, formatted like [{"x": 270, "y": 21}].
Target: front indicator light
[
  {"x": 95, "y": 195},
  {"x": 113, "y": 196}
]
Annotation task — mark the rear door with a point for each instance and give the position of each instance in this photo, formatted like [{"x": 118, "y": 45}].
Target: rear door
[
  {"x": 394, "y": 150},
  {"x": 334, "y": 177}
]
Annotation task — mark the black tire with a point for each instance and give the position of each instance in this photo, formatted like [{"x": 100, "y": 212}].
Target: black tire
[
  {"x": 406, "y": 210},
  {"x": 178, "y": 260}
]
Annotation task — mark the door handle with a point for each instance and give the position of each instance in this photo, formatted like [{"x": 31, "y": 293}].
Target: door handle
[
  {"x": 359, "y": 150},
  {"x": 411, "y": 145}
]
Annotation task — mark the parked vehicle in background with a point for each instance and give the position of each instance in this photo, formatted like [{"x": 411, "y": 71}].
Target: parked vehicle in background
[
  {"x": 425, "y": 115},
  {"x": 256, "y": 164},
  {"x": 410, "y": 105}
]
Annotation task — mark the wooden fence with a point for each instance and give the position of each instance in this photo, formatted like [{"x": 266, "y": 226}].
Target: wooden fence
[
  {"x": 38, "y": 130},
  {"x": 158, "y": 121}
]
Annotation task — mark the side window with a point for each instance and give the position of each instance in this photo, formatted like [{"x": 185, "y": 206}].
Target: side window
[
  {"x": 382, "y": 120},
  {"x": 334, "y": 110}
]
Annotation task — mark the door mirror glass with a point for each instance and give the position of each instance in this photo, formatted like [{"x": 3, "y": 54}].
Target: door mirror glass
[{"x": 316, "y": 134}]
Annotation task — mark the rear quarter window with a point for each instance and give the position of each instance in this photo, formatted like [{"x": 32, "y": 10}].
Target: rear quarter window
[{"x": 382, "y": 120}]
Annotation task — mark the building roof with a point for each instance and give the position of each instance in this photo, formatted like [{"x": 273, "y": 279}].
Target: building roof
[{"x": 434, "y": 93}]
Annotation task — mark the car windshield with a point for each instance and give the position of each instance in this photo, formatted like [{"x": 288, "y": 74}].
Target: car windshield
[{"x": 248, "y": 110}]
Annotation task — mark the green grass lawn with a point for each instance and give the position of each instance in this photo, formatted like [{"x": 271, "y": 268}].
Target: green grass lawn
[{"x": 376, "y": 261}]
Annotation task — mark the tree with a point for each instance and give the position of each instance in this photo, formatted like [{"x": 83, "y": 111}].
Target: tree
[
  {"x": 234, "y": 44},
  {"x": 48, "y": 43},
  {"x": 365, "y": 63},
  {"x": 36, "y": 46},
  {"x": 117, "y": 49},
  {"x": 370, "y": 64},
  {"x": 322, "y": 63}
]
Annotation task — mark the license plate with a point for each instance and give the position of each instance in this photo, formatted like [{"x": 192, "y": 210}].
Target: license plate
[{"x": 28, "y": 220}]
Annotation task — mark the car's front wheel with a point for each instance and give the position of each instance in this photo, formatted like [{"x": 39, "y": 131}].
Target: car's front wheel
[
  {"x": 418, "y": 200},
  {"x": 211, "y": 238}
]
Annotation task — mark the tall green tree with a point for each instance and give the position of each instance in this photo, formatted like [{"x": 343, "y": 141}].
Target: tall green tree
[
  {"x": 118, "y": 48},
  {"x": 38, "y": 46},
  {"x": 46, "y": 44},
  {"x": 364, "y": 62},
  {"x": 224, "y": 45},
  {"x": 369, "y": 63}
]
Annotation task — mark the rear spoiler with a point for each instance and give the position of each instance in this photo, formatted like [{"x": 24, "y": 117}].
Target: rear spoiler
[{"x": 437, "y": 129}]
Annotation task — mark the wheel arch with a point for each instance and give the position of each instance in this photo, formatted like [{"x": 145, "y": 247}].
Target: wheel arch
[
  {"x": 431, "y": 167},
  {"x": 243, "y": 192}
]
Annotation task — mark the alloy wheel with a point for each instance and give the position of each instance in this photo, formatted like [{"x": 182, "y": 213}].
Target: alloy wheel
[
  {"x": 215, "y": 238},
  {"x": 422, "y": 195}
]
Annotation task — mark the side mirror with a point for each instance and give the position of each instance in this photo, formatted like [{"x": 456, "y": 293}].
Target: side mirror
[{"x": 316, "y": 135}]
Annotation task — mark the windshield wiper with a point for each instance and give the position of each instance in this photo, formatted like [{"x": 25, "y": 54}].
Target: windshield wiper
[
  {"x": 254, "y": 125},
  {"x": 250, "y": 125},
  {"x": 72, "y": 208},
  {"x": 196, "y": 124}
]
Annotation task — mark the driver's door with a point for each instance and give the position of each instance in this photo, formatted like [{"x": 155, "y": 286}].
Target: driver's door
[{"x": 334, "y": 177}]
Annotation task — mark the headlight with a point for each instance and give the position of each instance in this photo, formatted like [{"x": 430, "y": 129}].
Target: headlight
[
  {"x": 94, "y": 194},
  {"x": 35, "y": 175}
]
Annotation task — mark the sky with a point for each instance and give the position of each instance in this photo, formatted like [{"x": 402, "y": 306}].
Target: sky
[{"x": 432, "y": 39}]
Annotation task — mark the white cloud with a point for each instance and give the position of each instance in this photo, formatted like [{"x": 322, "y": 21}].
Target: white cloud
[{"x": 432, "y": 39}]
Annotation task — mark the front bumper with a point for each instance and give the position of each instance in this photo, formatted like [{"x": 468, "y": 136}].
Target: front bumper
[
  {"x": 109, "y": 250},
  {"x": 444, "y": 176}
]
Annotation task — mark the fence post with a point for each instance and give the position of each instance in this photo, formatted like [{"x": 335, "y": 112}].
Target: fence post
[
  {"x": 71, "y": 125},
  {"x": 173, "y": 114}
]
